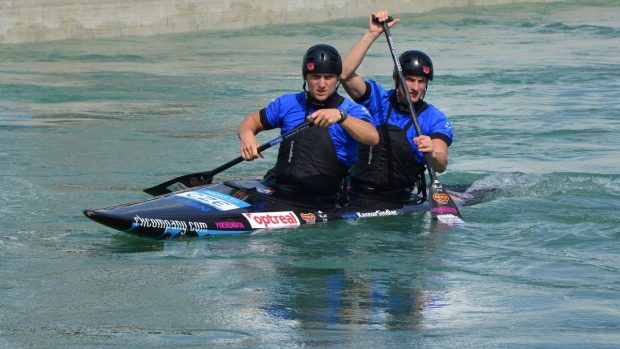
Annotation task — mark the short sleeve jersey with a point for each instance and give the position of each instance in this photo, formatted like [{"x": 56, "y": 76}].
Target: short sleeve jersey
[
  {"x": 289, "y": 110},
  {"x": 433, "y": 122}
]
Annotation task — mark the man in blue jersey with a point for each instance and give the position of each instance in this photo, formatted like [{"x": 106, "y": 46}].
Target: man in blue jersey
[
  {"x": 390, "y": 170},
  {"x": 316, "y": 160}
]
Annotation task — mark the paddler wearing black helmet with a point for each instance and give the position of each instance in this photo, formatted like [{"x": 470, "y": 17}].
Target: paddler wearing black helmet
[
  {"x": 393, "y": 168},
  {"x": 314, "y": 162}
]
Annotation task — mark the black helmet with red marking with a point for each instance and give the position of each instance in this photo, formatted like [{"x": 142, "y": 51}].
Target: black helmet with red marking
[
  {"x": 321, "y": 59},
  {"x": 415, "y": 63}
]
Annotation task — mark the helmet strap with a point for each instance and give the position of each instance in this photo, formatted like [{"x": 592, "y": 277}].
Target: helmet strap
[{"x": 424, "y": 93}]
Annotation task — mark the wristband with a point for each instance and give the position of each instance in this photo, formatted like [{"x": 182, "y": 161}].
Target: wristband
[{"x": 343, "y": 116}]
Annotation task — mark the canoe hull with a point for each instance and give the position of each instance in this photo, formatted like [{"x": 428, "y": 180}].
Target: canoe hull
[{"x": 233, "y": 207}]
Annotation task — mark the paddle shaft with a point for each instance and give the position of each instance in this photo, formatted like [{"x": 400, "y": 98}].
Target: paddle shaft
[
  {"x": 404, "y": 89},
  {"x": 199, "y": 178},
  {"x": 441, "y": 204},
  {"x": 263, "y": 147}
]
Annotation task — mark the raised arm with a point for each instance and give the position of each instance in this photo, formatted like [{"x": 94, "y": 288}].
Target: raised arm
[{"x": 351, "y": 81}]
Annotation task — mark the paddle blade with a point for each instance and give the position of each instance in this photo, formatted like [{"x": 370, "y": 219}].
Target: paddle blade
[
  {"x": 443, "y": 208},
  {"x": 183, "y": 182}
]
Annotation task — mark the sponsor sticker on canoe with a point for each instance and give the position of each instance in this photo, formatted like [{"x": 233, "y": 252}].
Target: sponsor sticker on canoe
[
  {"x": 442, "y": 198},
  {"x": 310, "y": 218},
  {"x": 450, "y": 219},
  {"x": 229, "y": 225},
  {"x": 170, "y": 226},
  {"x": 219, "y": 201},
  {"x": 444, "y": 209},
  {"x": 194, "y": 204},
  {"x": 265, "y": 220},
  {"x": 377, "y": 213}
]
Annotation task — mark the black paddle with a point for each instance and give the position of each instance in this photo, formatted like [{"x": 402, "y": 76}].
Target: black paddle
[
  {"x": 443, "y": 208},
  {"x": 200, "y": 178}
]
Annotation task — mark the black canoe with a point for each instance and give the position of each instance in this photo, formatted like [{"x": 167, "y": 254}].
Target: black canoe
[{"x": 232, "y": 207}]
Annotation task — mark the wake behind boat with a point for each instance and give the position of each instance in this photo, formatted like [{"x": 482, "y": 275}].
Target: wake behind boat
[{"x": 232, "y": 207}]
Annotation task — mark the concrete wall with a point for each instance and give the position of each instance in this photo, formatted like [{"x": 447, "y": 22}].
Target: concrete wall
[{"x": 44, "y": 20}]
